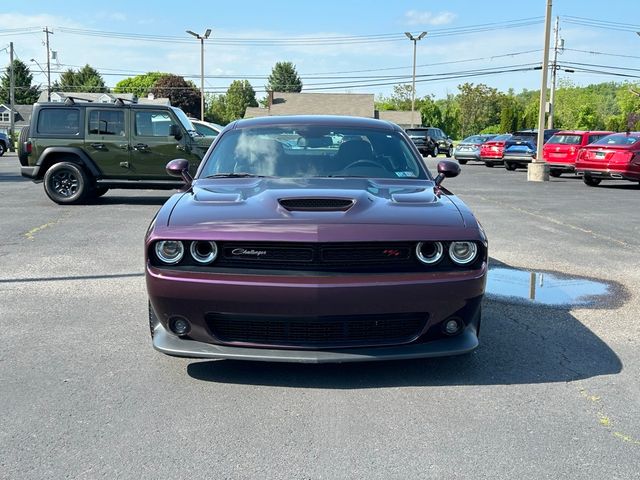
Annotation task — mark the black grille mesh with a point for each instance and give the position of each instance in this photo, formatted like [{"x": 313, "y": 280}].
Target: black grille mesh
[
  {"x": 327, "y": 332},
  {"x": 316, "y": 204}
]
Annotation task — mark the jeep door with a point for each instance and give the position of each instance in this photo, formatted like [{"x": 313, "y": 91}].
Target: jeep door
[
  {"x": 152, "y": 146},
  {"x": 107, "y": 141}
]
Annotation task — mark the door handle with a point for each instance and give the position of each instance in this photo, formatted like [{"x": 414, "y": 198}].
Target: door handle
[
  {"x": 124, "y": 146},
  {"x": 181, "y": 147},
  {"x": 141, "y": 147},
  {"x": 98, "y": 146}
]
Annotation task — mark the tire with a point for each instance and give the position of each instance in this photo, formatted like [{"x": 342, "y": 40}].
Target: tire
[
  {"x": 462, "y": 162},
  {"x": 2, "y": 148},
  {"x": 510, "y": 166},
  {"x": 449, "y": 153},
  {"x": 435, "y": 152},
  {"x": 23, "y": 156},
  {"x": 66, "y": 183},
  {"x": 592, "y": 182},
  {"x": 489, "y": 164},
  {"x": 555, "y": 173}
]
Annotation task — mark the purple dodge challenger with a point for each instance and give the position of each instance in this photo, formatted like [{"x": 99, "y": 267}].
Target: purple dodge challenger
[{"x": 314, "y": 239}]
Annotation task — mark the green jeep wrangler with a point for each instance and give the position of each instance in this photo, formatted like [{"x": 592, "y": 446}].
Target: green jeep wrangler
[{"x": 81, "y": 150}]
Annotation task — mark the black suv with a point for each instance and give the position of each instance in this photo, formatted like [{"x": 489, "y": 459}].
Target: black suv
[
  {"x": 80, "y": 150},
  {"x": 4, "y": 143},
  {"x": 431, "y": 141}
]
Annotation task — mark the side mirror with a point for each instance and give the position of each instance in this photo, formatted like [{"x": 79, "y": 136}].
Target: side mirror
[
  {"x": 446, "y": 169},
  {"x": 180, "y": 168},
  {"x": 175, "y": 132}
]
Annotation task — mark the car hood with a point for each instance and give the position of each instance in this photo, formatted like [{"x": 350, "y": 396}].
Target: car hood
[{"x": 275, "y": 205}]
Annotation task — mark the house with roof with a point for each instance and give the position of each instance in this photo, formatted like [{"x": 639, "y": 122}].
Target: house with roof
[
  {"x": 21, "y": 116},
  {"x": 103, "y": 98},
  {"x": 353, "y": 104}
]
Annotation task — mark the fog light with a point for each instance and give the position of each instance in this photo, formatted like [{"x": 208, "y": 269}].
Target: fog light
[
  {"x": 452, "y": 326},
  {"x": 179, "y": 325}
]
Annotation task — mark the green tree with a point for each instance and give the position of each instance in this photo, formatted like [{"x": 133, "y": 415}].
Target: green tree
[
  {"x": 284, "y": 78},
  {"x": 182, "y": 93},
  {"x": 240, "y": 95},
  {"x": 511, "y": 114},
  {"x": 25, "y": 93},
  {"x": 479, "y": 107},
  {"x": 450, "y": 110},
  {"x": 140, "y": 85},
  {"x": 430, "y": 112},
  {"x": 87, "y": 79},
  {"x": 216, "y": 110}
]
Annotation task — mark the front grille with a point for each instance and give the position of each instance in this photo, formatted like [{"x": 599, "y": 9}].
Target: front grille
[
  {"x": 316, "y": 204},
  {"x": 314, "y": 332},
  {"x": 313, "y": 255}
]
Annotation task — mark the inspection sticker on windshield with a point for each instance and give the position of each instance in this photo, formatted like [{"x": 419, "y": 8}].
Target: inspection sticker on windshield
[{"x": 405, "y": 174}]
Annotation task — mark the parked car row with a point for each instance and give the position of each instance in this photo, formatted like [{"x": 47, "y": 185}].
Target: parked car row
[{"x": 594, "y": 155}]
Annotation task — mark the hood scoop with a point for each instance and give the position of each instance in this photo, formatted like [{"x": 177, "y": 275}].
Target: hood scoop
[{"x": 316, "y": 204}]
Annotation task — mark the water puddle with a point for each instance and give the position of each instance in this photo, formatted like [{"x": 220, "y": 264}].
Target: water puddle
[{"x": 546, "y": 288}]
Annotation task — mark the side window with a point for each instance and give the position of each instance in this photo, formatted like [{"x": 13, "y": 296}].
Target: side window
[
  {"x": 106, "y": 122},
  {"x": 594, "y": 138},
  {"x": 432, "y": 133},
  {"x": 59, "y": 121},
  {"x": 152, "y": 123}
]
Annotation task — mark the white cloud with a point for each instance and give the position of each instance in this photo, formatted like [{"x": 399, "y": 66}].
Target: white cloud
[{"x": 414, "y": 17}]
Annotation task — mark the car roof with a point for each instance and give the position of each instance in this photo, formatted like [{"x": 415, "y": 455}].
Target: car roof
[
  {"x": 581, "y": 132},
  {"x": 320, "y": 120}
]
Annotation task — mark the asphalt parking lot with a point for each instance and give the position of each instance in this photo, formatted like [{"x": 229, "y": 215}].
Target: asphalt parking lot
[{"x": 551, "y": 392}]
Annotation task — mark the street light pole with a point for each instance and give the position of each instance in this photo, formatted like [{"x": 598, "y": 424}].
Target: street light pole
[
  {"x": 413, "y": 88},
  {"x": 538, "y": 170},
  {"x": 202, "y": 38}
]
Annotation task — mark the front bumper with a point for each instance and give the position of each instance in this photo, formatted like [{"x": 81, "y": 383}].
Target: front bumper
[
  {"x": 438, "y": 295},
  {"x": 30, "y": 171}
]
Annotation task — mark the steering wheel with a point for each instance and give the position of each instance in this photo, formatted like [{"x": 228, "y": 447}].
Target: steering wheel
[{"x": 363, "y": 163}]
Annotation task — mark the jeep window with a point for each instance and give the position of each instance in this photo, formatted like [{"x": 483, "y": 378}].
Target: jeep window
[
  {"x": 59, "y": 121},
  {"x": 152, "y": 123},
  {"x": 106, "y": 122}
]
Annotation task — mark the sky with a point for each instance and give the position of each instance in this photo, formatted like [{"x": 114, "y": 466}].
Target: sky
[{"x": 336, "y": 46}]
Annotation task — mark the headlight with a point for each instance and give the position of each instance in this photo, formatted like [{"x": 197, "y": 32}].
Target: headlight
[
  {"x": 204, "y": 252},
  {"x": 170, "y": 251},
  {"x": 429, "y": 253},
  {"x": 463, "y": 252}
]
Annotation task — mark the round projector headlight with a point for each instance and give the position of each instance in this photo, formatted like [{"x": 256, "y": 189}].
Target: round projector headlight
[
  {"x": 429, "y": 253},
  {"x": 463, "y": 252},
  {"x": 170, "y": 251},
  {"x": 204, "y": 252}
]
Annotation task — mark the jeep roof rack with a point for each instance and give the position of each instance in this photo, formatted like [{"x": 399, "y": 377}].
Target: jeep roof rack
[
  {"x": 72, "y": 100},
  {"x": 120, "y": 101}
]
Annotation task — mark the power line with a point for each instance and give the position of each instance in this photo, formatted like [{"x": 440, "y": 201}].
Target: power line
[{"x": 592, "y": 52}]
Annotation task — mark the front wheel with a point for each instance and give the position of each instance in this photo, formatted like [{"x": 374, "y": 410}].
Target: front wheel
[
  {"x": 510, "y": 166},
  {"x": 449, "y": 153},
  {"x": 435, "y": 152},
  {"x": 66, "y": 183},
  {"x": 462, "y": 162},
  {"x": 2, "y": 149},
  {"x": 592, "y": 182}
]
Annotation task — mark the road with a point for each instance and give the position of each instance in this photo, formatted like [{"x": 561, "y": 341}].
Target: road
[{"x": 552, "y": 392}]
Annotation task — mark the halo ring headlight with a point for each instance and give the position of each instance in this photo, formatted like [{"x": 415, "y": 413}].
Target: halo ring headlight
[
  {"x": 429, "y": 253},
  {"x": 463, "y": 253},
  {"x": 169, "y": 251},
  {"x": 203, "y": 252}
]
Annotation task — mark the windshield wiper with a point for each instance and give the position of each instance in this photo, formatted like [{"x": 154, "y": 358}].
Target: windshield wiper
[{"x": 233, "y": 175}]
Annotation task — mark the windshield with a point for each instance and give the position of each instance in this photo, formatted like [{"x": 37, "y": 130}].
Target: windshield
[
  {"x": 618, "y": 139},
  {"x": 417, "y": 132},
  {"x": 313, "y": 151},
  {"x": 184, "y": 120},
  {"x": 566, "y": 139}
]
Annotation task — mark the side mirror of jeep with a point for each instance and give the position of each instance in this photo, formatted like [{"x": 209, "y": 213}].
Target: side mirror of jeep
[
  {"x": 180, "y": 168},
  {"x": 175, "y": 132}
]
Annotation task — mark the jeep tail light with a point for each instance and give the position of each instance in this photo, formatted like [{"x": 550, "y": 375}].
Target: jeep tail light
[{"x": 28, "y": 147}]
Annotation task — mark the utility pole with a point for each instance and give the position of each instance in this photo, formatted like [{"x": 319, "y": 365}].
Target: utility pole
[
  {"x": 47, "y": 32},
  {"x": 554, "y": 70},
  {"x": 12, "y": 97},
  {"x": 538, "y": 170},
  {"x": 202, "y": 38},
  {"x": 413, "y": 88}
]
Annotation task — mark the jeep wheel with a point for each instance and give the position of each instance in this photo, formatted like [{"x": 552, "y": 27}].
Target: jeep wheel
[
  {"x": 23, "y": 138},
  {"x": 592, "y": 182},
  {"x": 449, "y": 153},
  {"x": 435, "y": 152},
  {"x": 510, "y": 166},
  {"x": 66, "y": 183},
  {"x": 2, "y": 149}
]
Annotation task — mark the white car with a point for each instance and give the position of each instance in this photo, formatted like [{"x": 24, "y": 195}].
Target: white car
[{"x": 205, "y": 128}]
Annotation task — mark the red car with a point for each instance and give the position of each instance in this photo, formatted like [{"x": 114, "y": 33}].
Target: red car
[
  {"x": 614, "y": 157},
  {"x": 491, "y": 152},
  {"x": 561, "y": 151}
]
